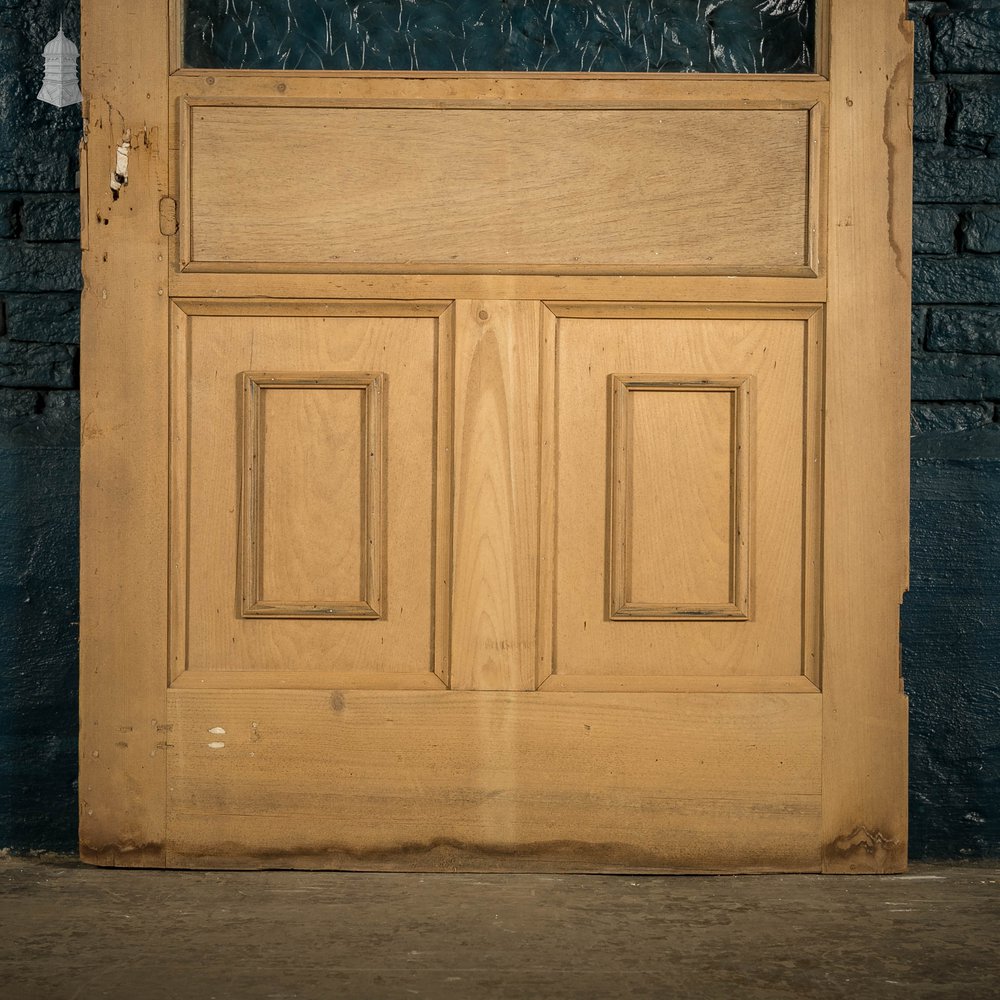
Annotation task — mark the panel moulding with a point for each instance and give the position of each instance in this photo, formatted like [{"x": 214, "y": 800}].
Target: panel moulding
[
  {"x": 370, "y": 602},
  {"x": 623, "y": 604}
]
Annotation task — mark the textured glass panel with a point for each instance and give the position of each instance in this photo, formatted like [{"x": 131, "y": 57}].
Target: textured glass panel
[{"x": 608, "y": 36}]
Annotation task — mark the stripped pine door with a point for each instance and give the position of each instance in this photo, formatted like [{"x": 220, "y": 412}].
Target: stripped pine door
[{"x": 494, "y": 472}]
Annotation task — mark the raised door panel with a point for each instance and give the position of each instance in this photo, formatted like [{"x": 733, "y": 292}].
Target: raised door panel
[
  {"x": 679, "y": 492},
  {"x": 305, "y": 474},
  {"x": 312, "y": 495},
  {"x": 497, "y": 187},
  {"x": 686, "y": 471}
]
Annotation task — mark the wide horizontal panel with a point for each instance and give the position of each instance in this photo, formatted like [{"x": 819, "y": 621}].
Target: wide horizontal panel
[
  {"x": 316, "y": 780},
  {"x": 422, "y": 188}
]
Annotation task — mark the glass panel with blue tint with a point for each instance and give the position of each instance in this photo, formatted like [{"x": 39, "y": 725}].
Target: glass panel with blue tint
[{"x": 568, "y": 36}]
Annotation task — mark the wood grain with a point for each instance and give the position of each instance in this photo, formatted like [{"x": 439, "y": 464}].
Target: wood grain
[
  {"x": 123, "y": 505},
  {"x": 771, "y": 352},
  {"x": 498, "y": 189},
  {"x": 213, "y": 349},
  {"x": 494, "y": 248},
  {"x": 679, "y": 494},
  {"x": 617, "y": 90},
  {"x": 622, "y": 288},
  {"x": 313, "y": 472},
  {"x": 495, "y": 781},
  {"x": 496, "y": 495},
  {"x": 866, "y": 507}
]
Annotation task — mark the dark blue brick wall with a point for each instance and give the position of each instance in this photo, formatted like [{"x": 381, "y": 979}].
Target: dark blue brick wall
[
  {"x": 951, "y": 618},
  {"x": 39, "y": 436}
]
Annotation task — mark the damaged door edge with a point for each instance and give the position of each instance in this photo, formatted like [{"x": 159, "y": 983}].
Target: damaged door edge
[{"x": 119, "y": 176}]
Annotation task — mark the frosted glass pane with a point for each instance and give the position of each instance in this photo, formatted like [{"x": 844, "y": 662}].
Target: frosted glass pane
[{"x": 608, "y": 36}]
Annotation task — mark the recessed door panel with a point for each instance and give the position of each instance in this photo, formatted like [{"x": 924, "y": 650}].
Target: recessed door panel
[
  {"x": 500, "y": 188},
  {"x": 687, "y": 484},
  {"x": 304, "y": 463}
]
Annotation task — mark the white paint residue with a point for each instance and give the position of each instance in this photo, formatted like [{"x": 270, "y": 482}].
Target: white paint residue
[
  {"x": 921, "y": 878},
  {"x": 216, "y": 746},
  {"x": 120, "y": 176},
  {"x": 217, "y": 731}
]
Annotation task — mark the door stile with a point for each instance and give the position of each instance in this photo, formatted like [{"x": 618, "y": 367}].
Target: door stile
[
  {"x": 867, "y": 493},
  {"x": 124, "y": 733}
]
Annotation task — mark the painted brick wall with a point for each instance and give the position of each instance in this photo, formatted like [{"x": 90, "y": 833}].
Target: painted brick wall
[
  {"x": 39, "y": 450},
  {"x": 951, "y": 618}
]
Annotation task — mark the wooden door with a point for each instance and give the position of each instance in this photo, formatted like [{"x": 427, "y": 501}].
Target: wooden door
[{"x": 495, "y": 472}]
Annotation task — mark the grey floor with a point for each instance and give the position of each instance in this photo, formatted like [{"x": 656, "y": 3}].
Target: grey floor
[{"x": 68, "y": 932}]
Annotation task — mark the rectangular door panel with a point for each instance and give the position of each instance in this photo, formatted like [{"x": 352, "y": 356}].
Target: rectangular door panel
[
  {"x": 520, "y": 188},
  {"x": 679, "y": 504},
  {"x": 686, "y": 472},
  {"x": 305, "y": 469},
  {"x": 312, "y": 492}
]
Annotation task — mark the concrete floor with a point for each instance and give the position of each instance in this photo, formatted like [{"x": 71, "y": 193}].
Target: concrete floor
[{"x": 68, "y": 932}]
